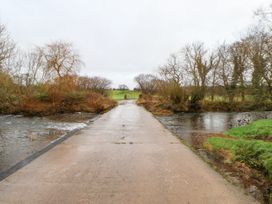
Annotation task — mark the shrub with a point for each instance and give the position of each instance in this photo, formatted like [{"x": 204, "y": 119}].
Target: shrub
[
  {"x": 74, "y": 97},
  {"x": 42, "y": 96}
]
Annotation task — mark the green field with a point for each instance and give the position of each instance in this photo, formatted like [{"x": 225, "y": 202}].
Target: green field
[
  {"x": 120, "y": 94},
  {"x": 247, "y": 146}
]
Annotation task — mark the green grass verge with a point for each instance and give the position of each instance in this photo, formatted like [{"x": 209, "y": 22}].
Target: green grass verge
[
  {"x": 120, "y": 94},
  {"x": 255, "y": 153},
  {"x": 261, "y": 129}
]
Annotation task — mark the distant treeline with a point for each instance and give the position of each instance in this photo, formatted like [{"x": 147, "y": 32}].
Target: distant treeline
[
  {"x": 235, "y": 76},
  {"x": 45, "y": 80}
]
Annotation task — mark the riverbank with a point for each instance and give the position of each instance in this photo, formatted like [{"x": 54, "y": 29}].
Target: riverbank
[
  {"x": 241, "y": 154},
  {"x": 159, "y": 105},
  {"x": 248, "y": 150},
  {"x": 89, "y": 102},
  {"x": 61, "y": 95}
]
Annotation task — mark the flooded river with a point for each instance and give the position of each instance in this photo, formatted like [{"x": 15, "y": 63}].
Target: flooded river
[
  {"x": 21, "y": 136},
  {"x": 189, "y": 125}
]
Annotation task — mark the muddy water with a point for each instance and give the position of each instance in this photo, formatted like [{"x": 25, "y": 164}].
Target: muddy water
[
  {"x": 189, "y": 125},
  {"x": 22, "y": 136}
]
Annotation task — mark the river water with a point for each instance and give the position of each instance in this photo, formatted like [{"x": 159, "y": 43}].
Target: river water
[
  {"x": 21, "y": 136},
  {"x": 189, "y": 125}
]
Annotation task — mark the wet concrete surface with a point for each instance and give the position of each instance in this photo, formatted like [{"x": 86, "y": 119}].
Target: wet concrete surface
[{"x": 126, "y": 156}]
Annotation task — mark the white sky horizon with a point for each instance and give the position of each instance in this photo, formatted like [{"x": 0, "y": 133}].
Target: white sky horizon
[{"x": 123, "y": 38}]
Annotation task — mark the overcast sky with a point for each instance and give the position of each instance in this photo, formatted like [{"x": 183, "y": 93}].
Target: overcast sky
[{"x": 119, "y": 39}]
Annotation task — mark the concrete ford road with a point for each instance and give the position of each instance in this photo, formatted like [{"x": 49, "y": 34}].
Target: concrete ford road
[{"x": 126, "y": 156}]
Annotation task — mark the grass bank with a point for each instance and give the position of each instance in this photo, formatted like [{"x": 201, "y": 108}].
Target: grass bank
[
  {"x": 246, "y": 151},
  {"x": 255, "y": 153},
  {"x": 261, "y": 129}
]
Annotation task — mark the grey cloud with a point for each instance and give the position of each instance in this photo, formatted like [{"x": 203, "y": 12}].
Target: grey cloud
[{"x": 121, "y": 38}]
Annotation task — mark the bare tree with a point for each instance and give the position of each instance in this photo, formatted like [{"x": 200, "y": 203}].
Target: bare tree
[
  {"x": 265, "y": 17},
  {"x": 214, "y": 77},
  {"x": 198, "y": 63},
  {"x": 172, "y": 70},
  {"x": 123, "y": 87},
  {"x": 173, "y": 77},
  {"x": 60, "y": 59},
  {"x": 267, "y": 75},
  {"x": 7, "y": 47},
  {"x": 97, "y": 84},
  {"x": 146, "y": 83},
  {"x": 238, "y": 57},
  {"x": 34, "y": 67},
  {"x": 257, "y": 41},
  {"x": 226, "y": 73}
]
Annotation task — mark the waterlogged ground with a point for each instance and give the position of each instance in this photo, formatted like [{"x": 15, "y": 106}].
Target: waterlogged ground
[
  {"x": 21, "y": 136},
  {"x": 188, "y": 126}
]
